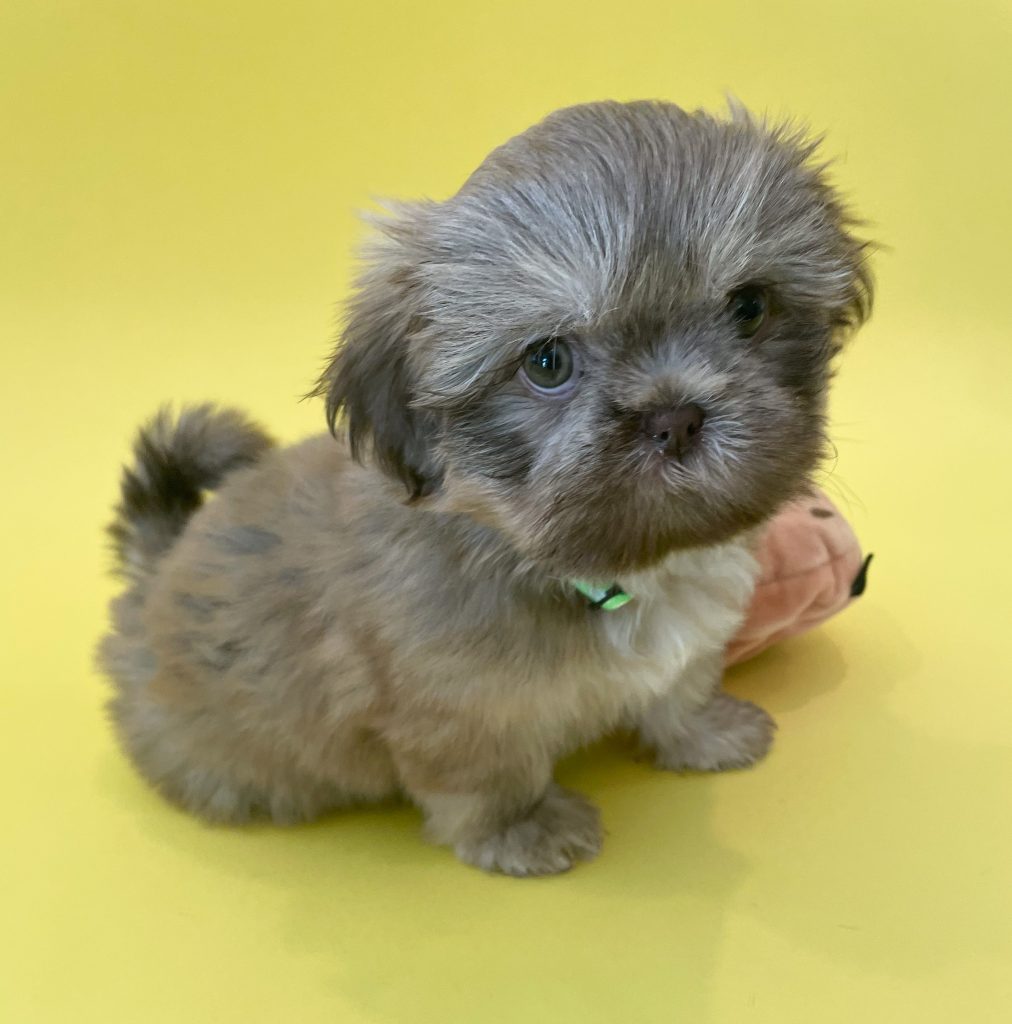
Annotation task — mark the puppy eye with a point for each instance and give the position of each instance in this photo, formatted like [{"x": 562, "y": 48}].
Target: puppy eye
[
  {"x": 749, "y": 307},
  {"x": 549, "y": 365}
]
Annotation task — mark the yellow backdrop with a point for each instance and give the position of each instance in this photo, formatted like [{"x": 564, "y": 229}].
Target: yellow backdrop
[{"x": 178, "y": 189}]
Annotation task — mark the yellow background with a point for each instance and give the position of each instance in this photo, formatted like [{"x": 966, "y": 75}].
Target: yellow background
[{"x": 178, "y": 187}]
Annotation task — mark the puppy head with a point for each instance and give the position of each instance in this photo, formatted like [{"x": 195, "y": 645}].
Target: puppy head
[{"x": 614, "y": 341}]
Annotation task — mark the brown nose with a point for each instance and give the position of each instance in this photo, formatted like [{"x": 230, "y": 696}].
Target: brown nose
[{"x": 675, "y": 431}]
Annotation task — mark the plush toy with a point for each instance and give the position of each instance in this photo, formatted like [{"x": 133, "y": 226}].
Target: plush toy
[{"x": 811, "y": 568}]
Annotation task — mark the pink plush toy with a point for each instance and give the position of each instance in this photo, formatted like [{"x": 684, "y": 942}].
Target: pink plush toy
[{"x": 811, "y": 568}]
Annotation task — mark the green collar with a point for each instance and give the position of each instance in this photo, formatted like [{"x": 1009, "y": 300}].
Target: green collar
[{"x": 606, "y": 598}]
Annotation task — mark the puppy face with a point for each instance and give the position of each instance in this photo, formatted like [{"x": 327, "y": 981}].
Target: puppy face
[{"x": 614, "y": 341}]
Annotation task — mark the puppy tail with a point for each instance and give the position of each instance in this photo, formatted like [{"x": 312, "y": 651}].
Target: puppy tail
[{"x": 177, "y": 459}]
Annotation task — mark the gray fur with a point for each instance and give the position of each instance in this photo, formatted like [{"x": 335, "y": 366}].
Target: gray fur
[
  {"x": 391, "y": 613},
  {"x": 625, "y": 226}
]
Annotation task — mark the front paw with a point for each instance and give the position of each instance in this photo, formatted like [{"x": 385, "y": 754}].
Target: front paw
[
  {"x": 725, "y": 733},
  {"x": 562, "y": 828}
]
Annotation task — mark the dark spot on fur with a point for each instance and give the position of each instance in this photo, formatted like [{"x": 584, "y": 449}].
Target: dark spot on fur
[
  {"x": 246, "y": 540},
  {"x": 293, "y": 576},
  {"x": 821, "y": 513},
  {"x": 219, "y": 656},
  {"x": 222, "y": 656},
  {"x": 200, "y": 607},
  {"x": 200, "y": 648}
]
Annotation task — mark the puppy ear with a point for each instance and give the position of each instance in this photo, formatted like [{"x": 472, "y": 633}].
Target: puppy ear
[{"x": 369, "y": 377}]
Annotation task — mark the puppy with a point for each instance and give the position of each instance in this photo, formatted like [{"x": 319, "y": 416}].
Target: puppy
[{"x": 564, "y": 401}]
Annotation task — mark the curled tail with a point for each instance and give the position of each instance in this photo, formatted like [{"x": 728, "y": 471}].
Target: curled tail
[{"x": 177, "y": 459}]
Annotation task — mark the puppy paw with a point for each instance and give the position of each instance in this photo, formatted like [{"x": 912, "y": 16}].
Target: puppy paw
[
  {"x": 725, "y": 733},
  {"x": 562, "y": 829}
]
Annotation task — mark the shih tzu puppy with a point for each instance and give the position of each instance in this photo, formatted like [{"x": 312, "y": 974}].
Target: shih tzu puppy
[{"x": 563, "y": 402}]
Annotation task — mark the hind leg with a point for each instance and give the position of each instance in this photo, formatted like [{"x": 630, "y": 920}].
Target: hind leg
[
  {"x": 216, "y": 782},
  {"x": 199, "y": 757},
  {"x": 235, "y": 782}
]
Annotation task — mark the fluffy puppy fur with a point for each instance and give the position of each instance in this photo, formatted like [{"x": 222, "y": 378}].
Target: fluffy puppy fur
[{"x": 393, "y": 612}]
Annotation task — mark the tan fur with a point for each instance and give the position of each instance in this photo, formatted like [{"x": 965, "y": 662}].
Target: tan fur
[{"x": 333, "y": 700}]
